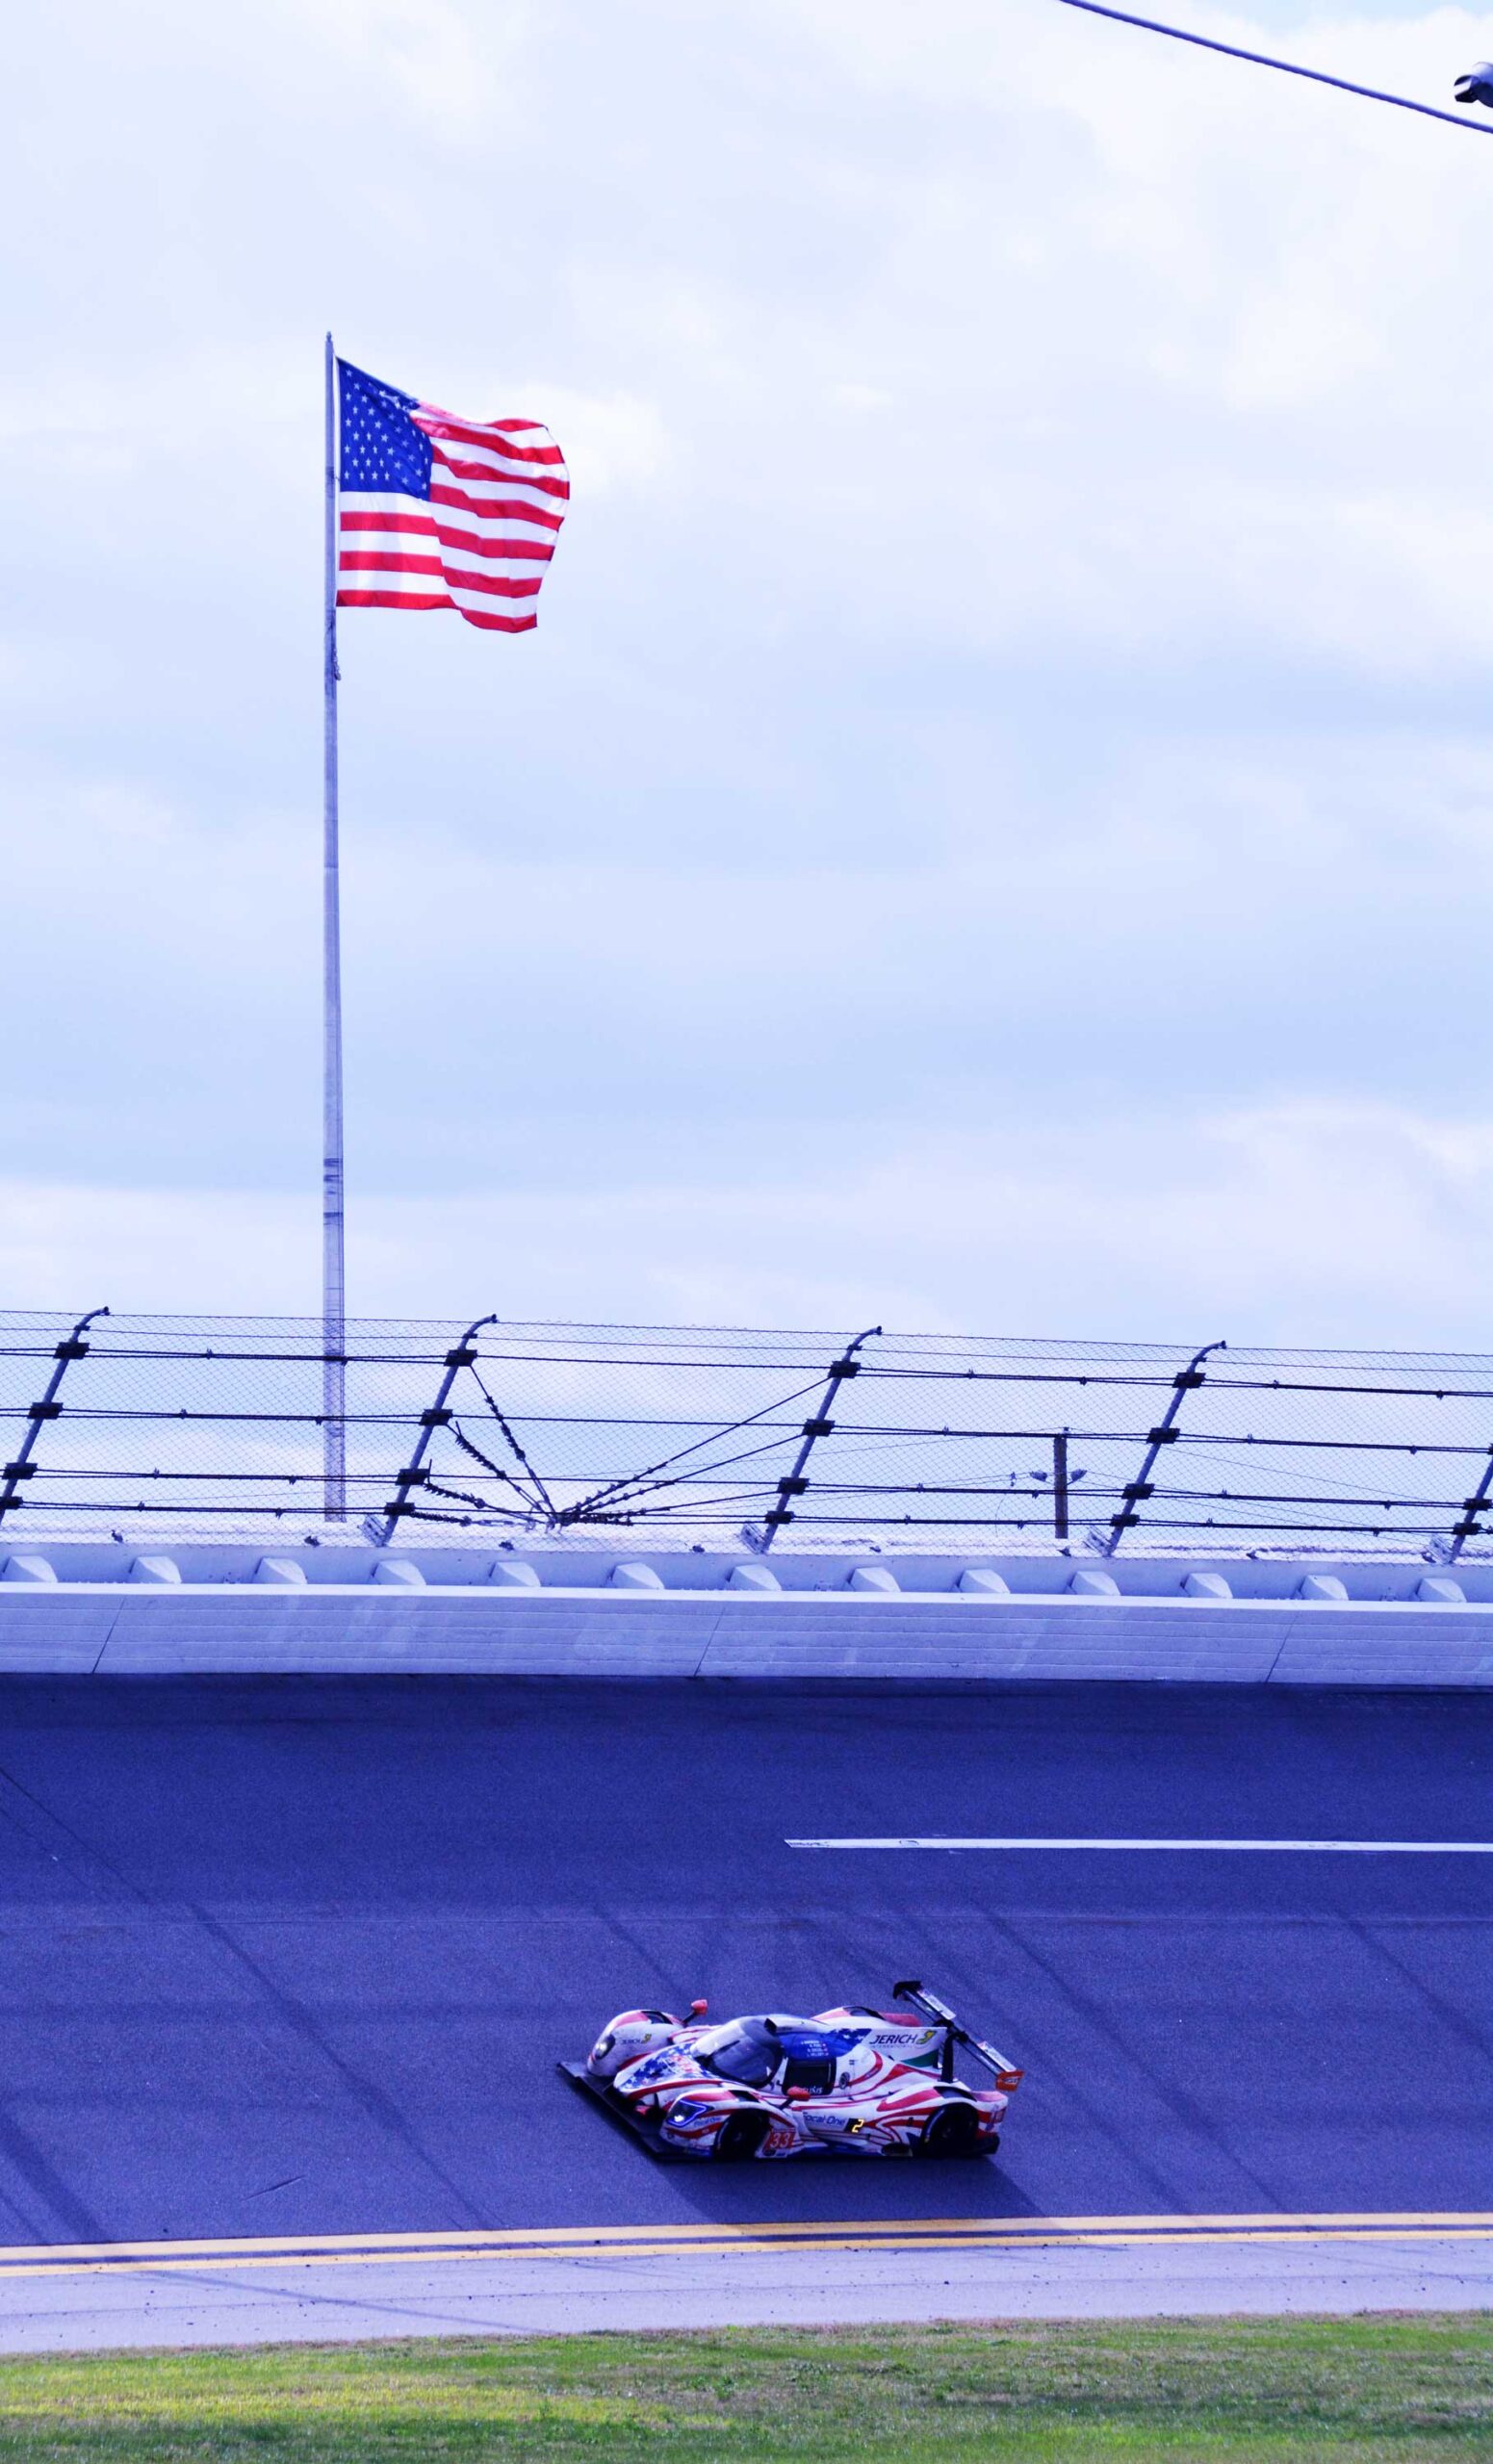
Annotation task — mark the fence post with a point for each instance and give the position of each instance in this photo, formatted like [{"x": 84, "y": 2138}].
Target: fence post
[
  {"x": 794, "y": 1483},
  {"x": 1060, "y": 1486},
  {"x": 1136, "y": 1491},
  {"x": 460, "y": 1356},
  {"x": 1469, "y": 1527},
  {"x": 47, "y": 1409}
]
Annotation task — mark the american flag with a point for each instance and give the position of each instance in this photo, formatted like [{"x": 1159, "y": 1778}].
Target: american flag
[{"x": 439, "y": 512}]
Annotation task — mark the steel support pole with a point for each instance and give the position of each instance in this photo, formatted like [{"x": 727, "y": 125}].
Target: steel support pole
[
  {"x": 796, "y": 1481},
  {"x": 1136, "y": 1491},
  {"x": 1469, "y": 1527},
  {"x": 412, "y": 1476},
  {"x": 334, "y": 1330},
  {"x": 48, "y": 1409}
]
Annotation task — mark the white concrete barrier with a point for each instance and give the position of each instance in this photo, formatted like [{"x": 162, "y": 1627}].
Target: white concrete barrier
[{"x": 579, "y": 1613}]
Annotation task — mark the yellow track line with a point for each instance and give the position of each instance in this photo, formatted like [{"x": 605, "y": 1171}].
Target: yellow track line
[
  {"x": 737, "y": 2241},
  {"x": 474, "y": 2241}
]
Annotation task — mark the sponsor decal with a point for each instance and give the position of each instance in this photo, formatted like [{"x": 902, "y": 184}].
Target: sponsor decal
[{"x": 659, "y": 2066}]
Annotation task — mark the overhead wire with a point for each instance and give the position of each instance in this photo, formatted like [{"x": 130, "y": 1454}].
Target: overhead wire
[{"x": 1288, "y": 68}]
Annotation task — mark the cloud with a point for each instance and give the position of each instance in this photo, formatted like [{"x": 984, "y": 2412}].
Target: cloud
[
  {"x": 438, "y": 59},
  {"x": 618, "y": 442},
  {"x": 1003, "y": 772},
  {"x": 1306, "y": 1223}
]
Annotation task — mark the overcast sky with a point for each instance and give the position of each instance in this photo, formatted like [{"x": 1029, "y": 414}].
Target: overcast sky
[{"x": 991, "y": 831}]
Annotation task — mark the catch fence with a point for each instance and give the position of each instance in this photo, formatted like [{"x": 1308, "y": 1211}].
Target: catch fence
[{"x": 143, "y": 1428}]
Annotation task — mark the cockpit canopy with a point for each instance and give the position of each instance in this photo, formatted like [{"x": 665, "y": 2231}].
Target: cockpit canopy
[
  {"x": 748, "y": 2050},
  {"x": 751, "y": 2051}
]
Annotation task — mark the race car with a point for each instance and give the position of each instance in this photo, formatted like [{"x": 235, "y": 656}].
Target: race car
[{"x": 850, "y": 2082}]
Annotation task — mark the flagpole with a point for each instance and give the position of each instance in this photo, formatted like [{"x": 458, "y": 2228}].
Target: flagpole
[{"x": 334, "y": 1397}]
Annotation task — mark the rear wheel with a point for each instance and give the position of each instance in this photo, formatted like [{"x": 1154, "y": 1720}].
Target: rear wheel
[
  {"x": 742, "y": 2138},
  {"x": 954, "y": 2131}
]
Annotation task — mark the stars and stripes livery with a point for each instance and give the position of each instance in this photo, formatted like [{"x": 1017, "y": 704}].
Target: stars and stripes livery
[
  {"x": 850, "y": 2082},
  {"x": 435, "y": 511}
]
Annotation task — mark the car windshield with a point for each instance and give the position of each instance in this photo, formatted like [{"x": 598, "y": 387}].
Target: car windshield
[{"x": 743, "y": 2051}]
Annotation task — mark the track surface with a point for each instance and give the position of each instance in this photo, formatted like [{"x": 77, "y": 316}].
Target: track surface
[{"x": 285, "y": 1956}]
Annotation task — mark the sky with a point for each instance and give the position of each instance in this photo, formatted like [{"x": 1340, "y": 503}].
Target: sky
[{"x": 991, "y": 829}]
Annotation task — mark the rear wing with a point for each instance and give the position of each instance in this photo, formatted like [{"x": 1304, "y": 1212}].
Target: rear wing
[{"x": 1005, "y": 2074}]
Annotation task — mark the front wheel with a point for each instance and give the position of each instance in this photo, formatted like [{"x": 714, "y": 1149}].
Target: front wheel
[
  {"x": 742, "y": 2138},
  {"x": 954, "y": 2131}
]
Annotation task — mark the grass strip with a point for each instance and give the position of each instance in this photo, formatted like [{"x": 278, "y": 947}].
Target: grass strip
[{"x": 1369, "y": 2389}]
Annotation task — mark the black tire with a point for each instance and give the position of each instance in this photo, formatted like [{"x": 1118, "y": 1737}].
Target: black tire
[
  {"x": 742, "y": 2138},
  {"x": 954, "y": 2131}
]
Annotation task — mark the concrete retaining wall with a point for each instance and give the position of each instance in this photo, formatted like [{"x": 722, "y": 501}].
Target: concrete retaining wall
[{"x": 145, "y": 1626}]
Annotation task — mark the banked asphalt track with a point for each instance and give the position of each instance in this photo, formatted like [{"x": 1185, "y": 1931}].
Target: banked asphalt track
[{"x": 297, "y": 1957}]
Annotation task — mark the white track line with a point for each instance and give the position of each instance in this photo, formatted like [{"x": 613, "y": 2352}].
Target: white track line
[{"x": 1293, "y": 1847}]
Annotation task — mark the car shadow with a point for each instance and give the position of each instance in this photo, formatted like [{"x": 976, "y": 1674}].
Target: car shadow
[{"x": 825, "y": 2189}]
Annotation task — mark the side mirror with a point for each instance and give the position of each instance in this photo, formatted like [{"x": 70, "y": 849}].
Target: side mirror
[
  {"x": 698, "y": 2010},
  {"x": 796, "y": 2096}
]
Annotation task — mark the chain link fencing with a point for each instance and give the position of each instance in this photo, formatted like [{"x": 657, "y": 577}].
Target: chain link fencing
[{"x": 147, "y": 1429}]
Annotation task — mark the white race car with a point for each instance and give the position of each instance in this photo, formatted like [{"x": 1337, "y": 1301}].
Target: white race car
[{"x": 852, "y": 2081}]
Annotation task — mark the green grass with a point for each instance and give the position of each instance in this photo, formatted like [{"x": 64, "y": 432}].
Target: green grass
[{"x": 1186, "y": 2389}]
